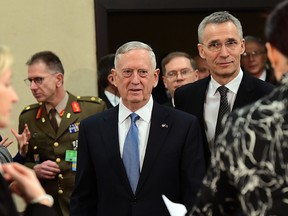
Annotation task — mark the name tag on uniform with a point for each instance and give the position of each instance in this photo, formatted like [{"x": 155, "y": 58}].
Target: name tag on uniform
[{"x": 71, "y": 156}]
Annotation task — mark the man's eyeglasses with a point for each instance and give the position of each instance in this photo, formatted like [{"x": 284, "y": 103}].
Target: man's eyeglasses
[
  {"x": 216, "y": 47},
  {"x": 173, "y": 74},
  {"x": 128, "y": 73},
  {"x": 37, "y": 80},
  {"x": 252, "y": 54}
]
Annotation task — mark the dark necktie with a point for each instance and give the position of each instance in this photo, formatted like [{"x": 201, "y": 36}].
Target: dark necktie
[
  {"x": 53, "y": 120},
  {"x": 223, "y": 110},
  {"x": 131, "y": 153}
]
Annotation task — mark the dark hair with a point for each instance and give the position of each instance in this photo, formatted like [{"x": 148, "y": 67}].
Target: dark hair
[
  {"x": 105, "y": 64},
  {"x": 276, "y": 28},
  {"x": 173, "y": 55},
  {"x": 50, "y": 59}
]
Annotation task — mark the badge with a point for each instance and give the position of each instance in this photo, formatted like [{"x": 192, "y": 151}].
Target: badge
[
  {"x": 71, "y": 156},
  {"x": 39, "y": 113},
  {"x": 74, "y": 128},
  {"x": 75, "y": 144},
  {"x": 76, "y": 107}
]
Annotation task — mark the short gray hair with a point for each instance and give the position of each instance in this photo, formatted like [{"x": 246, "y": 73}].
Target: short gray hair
[
  {"x": 218, "y": 18},
  {"x": 132, "y": 45}
]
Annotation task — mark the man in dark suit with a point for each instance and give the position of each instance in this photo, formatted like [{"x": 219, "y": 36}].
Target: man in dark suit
[
  {"x": 254, "y": 60},
  {"x": 107, "y": 90},
  {"x": 168, "y": 157},
  {"x": 178, "y": 68},
  {"x": 221, "y": 43}
]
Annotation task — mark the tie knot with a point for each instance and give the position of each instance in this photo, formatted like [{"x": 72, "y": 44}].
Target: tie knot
[
  {"x": 53, "y": 112},
  {"x": 134, "y": 117},
  {"x": 223, "y": 91}
]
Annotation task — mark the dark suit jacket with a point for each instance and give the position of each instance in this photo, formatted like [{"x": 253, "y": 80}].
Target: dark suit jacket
[
  {"x": 190, "y": 98},
  {"x": 106, "y": 100},
  {"x": 8, "y": 208},
  {"x": 173, "y": 165}
]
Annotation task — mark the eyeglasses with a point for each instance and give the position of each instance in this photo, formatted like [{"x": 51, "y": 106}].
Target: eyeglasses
[
  {"x": 37, "y": 80},
  {"x": 216, "y": 47},
  {"x": 128, "y": 73},
  {"x": 252, "y": 54},
  {"x": 173, "y": 74}
]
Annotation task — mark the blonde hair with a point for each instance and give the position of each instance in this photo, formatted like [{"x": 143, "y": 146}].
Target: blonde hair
[{"x": 6, "y": 58}]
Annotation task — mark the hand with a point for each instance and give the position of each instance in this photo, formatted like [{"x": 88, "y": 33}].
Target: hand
[
  {"x": 23, "y": 181},
  {"x": 23, "y": 140},
  {"x": 47, "y": 169},
  {"x": 6, "y": 143}
]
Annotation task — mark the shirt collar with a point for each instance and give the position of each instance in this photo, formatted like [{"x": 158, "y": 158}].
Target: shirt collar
[
  {"x": 144, "y": 112},
  {"x": 233, "y": 85},
  {"x": 61, "y": 106}
]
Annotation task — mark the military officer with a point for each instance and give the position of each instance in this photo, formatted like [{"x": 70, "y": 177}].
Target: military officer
[{"x": 54, "y": 126}]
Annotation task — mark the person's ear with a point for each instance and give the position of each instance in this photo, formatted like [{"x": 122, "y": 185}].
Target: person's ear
[
  {"x": 110, "y": 79},
  {"x": 59, "y": 77},
  {"x": 201, "y": 50},
  {"x": 113, "y": 77}
]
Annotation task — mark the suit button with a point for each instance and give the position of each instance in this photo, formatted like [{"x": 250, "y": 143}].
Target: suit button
[
  {"x": 58, "y": 160},
  {"x": 60, "y": 176},
  {"x": 60, "y": 191},
  {"x": 56, "y": 144},
  {"x": 134, "y": 200}
]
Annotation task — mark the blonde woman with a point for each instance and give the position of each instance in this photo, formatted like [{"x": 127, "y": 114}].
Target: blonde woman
[{"x": 22, "y": 180}]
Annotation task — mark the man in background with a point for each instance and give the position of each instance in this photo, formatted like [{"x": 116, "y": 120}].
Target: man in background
[
  {"x": 107, "y": 90},
  {"x": 54, "y": 126},
  {"x": 178, "y": 68},
  {"x": 202, "y": 67},
  {"x": 254, "y": 60}
]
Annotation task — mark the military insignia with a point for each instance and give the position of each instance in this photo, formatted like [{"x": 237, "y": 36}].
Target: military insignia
[
  {"x": 76, "y": 107},
  {"x": 75, "y": 144},
  {"x": 68, "y": 115},
  {"x": 62, "y": 113},
  {"x": 74, "y": 128},
  {"x": 39, "y": 113}
]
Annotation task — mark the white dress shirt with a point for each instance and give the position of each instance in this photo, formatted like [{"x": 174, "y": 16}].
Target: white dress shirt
[
  {"x": 143, "y": 125},
  {"x": 114, "y": 99},
  {"x": 212, "y": 103}
]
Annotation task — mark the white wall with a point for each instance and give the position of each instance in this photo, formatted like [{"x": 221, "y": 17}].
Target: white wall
[{"x": 63, "y": 26}]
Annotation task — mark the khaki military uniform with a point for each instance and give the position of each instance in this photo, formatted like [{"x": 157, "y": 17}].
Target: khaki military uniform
[{"x": 45, "y": 144}]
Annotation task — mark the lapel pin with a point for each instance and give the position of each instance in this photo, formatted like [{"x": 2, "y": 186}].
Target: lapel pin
[{"x": 164, "y": 126}]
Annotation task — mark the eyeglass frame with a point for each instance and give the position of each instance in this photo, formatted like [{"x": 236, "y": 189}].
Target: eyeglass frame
[
  {"x": 252, "y": 54},
  {"x": 37, "y": 80},
  {"x": 175, "y": 73},
  {"x": 216, "y": 46}
]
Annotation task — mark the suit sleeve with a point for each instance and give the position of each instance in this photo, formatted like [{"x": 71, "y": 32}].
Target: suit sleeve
[
  {"x": 38, "y": 209},
  {"x": 83, "y": 199},
  {"x": 193, "y": 165}
]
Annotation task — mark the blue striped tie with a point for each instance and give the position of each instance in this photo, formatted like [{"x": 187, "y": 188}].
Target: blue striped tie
[{"x": 131, "y": 153}]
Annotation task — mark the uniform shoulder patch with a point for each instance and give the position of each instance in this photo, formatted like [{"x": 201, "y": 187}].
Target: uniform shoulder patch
[
  {"x": 89, "y": 99},
  {"x": 31, "y": 107}
]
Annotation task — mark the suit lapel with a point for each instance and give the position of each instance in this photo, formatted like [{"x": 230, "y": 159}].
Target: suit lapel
[
  {"x": 159, "y": 129},
  {"x": 43, "y": 122},
  {"x": 244, "y": 92},
  {"x": 110, "y": 139}
]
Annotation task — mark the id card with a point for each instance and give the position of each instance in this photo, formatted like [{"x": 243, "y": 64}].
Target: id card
[{"x": 71, "y": 156}]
